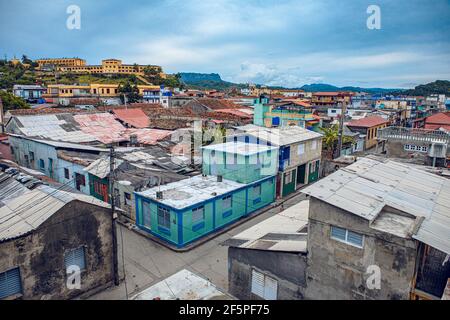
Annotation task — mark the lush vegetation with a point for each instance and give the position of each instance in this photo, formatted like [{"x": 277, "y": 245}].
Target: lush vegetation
[
  {"x": 11, "y": 102},
  {"x": 331, "y": 139},
  {"x": 207, "y": 81},
  {"x": 436, "y": 87}
]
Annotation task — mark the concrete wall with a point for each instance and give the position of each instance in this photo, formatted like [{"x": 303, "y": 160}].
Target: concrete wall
[
  {"x": 338, "y": 271},
  {"x": 287, "y": 268},
  {"x": 24, "y": 147},
  {"x": 40, "y": 255}
]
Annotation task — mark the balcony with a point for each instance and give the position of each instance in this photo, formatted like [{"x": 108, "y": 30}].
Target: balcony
[{"x": 413, "y": 134}]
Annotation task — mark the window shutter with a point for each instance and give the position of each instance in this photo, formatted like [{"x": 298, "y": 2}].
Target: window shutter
[
  {"x": 270, "y": 289},
  {"x": 338, "y": 233},
  {"x": 355, "y": 238},
  {"x": 75, "y": 258},
  {"x": 258, "y": 283},
  {"x": 10, "y": 283}
]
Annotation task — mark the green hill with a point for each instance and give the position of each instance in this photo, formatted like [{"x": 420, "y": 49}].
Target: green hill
[{"x": 436, "y": 87}]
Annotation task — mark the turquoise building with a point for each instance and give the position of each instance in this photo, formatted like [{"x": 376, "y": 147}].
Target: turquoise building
[{"x": 184, "y": 211}]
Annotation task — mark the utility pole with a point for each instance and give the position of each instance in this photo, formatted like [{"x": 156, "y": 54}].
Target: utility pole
[
  {"x": 113, "y": 216},
  {"x": 2, "y": 117},
  {"x": 341, "y": 128}
]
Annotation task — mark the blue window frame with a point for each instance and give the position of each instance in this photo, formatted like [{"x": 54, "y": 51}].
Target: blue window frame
[
  {"x": 10, "y": 283},
  {"x": 346, "y": 236},
  {"x": 75, "y": 257},
  {"x": 198, "y": 215},
  {"x": 163, "y": 217},
  {"x": 227, "y": 202},
  {"x": 41, "y": 164}
]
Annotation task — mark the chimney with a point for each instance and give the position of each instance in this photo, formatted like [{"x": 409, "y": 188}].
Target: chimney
[{"x": 159, "y": 195}]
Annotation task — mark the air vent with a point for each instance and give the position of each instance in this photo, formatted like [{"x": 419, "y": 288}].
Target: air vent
[{"x": 219, "y": 178}]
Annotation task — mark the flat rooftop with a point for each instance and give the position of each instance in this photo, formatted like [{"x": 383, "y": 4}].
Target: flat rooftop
[
  {"x": 240, "y": 148},
  {"x": 185, "y": 193},
  {"x": 285, "y": 231}
]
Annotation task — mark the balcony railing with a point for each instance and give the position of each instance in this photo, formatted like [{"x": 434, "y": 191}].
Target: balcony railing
[{"x": 412, "y": 134}]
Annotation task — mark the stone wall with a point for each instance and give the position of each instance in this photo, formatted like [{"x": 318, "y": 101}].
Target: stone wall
[
  {"x": 337, "y": 270},
  {"x": 40, "y": 254},
  {"x": 287, "y": 268}
]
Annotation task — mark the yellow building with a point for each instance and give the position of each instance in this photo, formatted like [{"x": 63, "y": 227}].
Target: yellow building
[
  {"x": 58, "y": 62},
  {"x": 99, "y": 90}
]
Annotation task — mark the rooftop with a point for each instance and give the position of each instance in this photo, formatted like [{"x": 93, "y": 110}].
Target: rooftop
[
  {"x": 285, "y": 231},
  {"x": 241, "y": 148},
  {"x": 280, "y": 136},
  {"x": 188, "y": 192},
  {"x": 367, "y": 122},
  {"x": 133, "y": 117},
  {"x": 28, "y": 211},
  {"x": 183, "y": 285},
  {"x": 375, "y": 189}
]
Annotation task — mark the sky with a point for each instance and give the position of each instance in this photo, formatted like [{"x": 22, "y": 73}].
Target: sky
[{"x": 281, "y": 42}]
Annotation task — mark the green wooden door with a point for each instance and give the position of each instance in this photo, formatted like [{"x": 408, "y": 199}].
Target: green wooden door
[{"x": 313, "y": 171}]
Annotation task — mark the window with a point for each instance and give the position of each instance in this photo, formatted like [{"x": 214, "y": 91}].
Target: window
[
  {"x": 264, "y": 286},
  {"x": 301, "y": 149},
  {"x": 288, "y": 177},
  {"x": 10, "y": 283},
  {"x": 164, "y": 217},
  {"x": 227, "y": 203},
  {"x": 75, "y": 257},
  {"x": 198, "y": 215},
  {"x": 66, "y": 173},
  {"x": 314, "y": 145},
  {"x": 347, "y": 236},
  {"x": 41, "y": 164},
  {"x": 257, "y": 190},
  {"x": 127, "y": 198},
  {"x": 31, "y": 156},
  {"x": 411, "y": 147}
]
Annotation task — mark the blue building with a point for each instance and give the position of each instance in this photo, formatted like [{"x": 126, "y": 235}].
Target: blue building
[
  {"x": 184, "y": 211},
  {"x": 30, "y": 93}
]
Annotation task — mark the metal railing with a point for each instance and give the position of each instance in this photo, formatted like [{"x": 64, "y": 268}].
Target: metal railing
[{"x": 413, "y": 134}]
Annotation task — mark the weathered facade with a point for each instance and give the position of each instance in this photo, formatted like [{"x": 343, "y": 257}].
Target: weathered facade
[
  {"x": 76, "y": 232},
  {"x": 338, "y": 270},
  {"x": 269, "y": 260}
]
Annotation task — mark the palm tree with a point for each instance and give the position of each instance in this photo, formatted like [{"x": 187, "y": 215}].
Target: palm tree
[{"x": 331, "y": 138}]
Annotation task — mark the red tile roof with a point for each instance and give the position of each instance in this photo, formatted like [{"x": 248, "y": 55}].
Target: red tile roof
[
  {"x": 235, "y": 112},
  {"x": 133, "y": 117},
  {"x": 439, "y": 118},
  {"x": 367, "y": 122}
]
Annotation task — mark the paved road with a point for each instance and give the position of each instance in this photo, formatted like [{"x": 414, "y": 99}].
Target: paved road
[{"x": 147, "y": 262}]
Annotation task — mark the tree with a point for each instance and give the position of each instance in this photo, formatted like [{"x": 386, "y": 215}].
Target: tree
[
  {"x": 131, "y": 93},
  {"x": 153, "y": 74},
  {"x": 11, "y": 102},
  {"x": 331, "y": 139}
]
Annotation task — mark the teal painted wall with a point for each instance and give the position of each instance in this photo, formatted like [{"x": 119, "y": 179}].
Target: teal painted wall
[
  {"x": 182, "y": 232},
  {"x": 247, "y": 170},
  {"x": 170, "y": 234}
]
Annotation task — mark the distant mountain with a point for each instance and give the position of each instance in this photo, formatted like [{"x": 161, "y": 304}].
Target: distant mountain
[
  {"x": 207, "y": 81},
  {"x": 323, "y": 87},
  {"x": 436, "y": 87}
]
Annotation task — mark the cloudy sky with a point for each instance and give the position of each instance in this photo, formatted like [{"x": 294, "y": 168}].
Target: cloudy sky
[{"x": 279, "y": 42}]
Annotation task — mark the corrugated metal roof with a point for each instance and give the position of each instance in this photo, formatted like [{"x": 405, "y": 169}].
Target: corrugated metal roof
[
  {"x": 103, "y": 126},
  {"x": 280, "y": 136},
  {"x": 282, "y": 232},
  {"x": 240, "y": 148},
  {"x": 59, "y": 127},
  {"x": 369, "y": 186},
  {"x": 183, "y": 285},
  {"x": 133, "y": 117},
  {"x": 100, "y": 168},
  {"x": 28, "y": 211}
]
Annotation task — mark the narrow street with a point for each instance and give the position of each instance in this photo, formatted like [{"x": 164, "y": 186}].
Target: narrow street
[{"x": 147, "y": 262}]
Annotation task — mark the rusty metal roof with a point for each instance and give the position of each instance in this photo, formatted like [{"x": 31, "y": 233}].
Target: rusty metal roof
[{"x": 133, "y": 117}]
